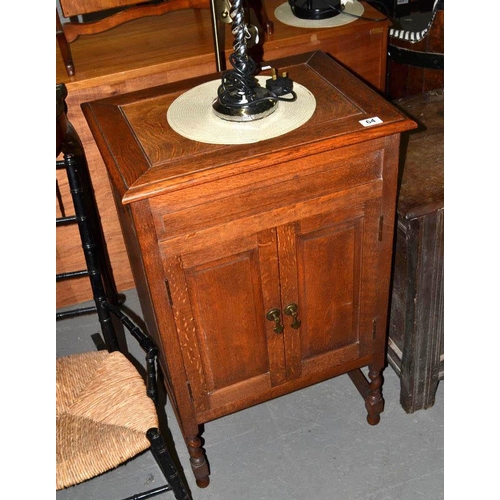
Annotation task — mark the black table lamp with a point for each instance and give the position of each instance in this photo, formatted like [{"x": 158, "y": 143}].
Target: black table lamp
[{"x": 240, "y": 97}]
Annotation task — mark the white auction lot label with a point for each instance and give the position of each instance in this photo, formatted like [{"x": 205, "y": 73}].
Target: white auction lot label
[{"x": 370, "y": 121}]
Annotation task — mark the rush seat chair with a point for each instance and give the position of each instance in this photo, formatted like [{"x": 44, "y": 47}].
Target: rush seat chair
[{"x": 107, "y": 412}]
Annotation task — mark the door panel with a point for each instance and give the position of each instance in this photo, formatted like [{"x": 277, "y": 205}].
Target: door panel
[
  {"x": 327, "y": 260},
  {"x": 231, "y": 338}
]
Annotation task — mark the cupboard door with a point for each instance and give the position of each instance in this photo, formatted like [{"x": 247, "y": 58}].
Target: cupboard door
[
  {"x": 328, "y": 268},
  {"x": 220, "y": 296}
]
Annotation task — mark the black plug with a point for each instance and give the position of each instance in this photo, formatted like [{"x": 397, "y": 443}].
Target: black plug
[{"x": 279, "y": 85}]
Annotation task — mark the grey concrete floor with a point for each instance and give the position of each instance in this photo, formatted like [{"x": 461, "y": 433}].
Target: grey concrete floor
[{"x": 314, "y": 444}]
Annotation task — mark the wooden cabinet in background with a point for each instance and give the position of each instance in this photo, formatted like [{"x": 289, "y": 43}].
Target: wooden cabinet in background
[
  {"x": 261, "y": 268},
  {"x": 159, "y": 50},
  {"x": 416, "y": 327}
]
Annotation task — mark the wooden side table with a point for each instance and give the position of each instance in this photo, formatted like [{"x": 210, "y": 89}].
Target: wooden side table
[
  {"x": 159, "y": 50},
  {"x": 261, "y": 268}
]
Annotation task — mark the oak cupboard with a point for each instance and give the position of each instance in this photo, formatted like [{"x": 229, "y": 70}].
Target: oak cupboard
[{"x": 261, "y": 268}]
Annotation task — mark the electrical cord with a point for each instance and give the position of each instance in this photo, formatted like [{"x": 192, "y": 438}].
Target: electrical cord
[{"x": 238, "y": 85}]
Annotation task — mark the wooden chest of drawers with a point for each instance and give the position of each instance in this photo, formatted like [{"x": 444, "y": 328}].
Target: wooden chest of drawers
[
  {"x": 175, "y": 46},
  {"x": 261, "y": 268}
]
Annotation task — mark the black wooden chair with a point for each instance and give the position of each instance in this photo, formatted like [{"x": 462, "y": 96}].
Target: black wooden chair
[
  {"x": 416, "y": 56},
  {"x": 105, "y": 412}
]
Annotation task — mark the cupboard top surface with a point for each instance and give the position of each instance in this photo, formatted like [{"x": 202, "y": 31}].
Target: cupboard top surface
[{"x": 145, "y": 157}]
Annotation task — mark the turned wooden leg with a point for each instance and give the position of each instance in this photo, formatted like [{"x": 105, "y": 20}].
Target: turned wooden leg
[
  {"x": 198, "y": 461},
  {"x": 374, "y": 402},
  {"x": 64, "y": 47},
  {"x": 371, "y": 392}
]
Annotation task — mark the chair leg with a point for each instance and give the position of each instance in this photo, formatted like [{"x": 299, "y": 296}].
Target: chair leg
[
  {"x": 64, "y": 47},
  {"x": 166, "y": 464}
]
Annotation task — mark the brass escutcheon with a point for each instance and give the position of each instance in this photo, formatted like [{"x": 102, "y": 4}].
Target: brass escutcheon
[
  {"x": 292, "y": 310},
  {"x": 274, "y": 315}
]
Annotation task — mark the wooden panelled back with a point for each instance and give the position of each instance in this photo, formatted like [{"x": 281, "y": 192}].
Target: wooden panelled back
[
  {"x": 68, "y": 31},
  {"x": 72, "y": 29},
  {"x": 76, "y": 7}
]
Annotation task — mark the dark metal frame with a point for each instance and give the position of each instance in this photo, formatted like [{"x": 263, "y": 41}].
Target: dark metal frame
[{"x": 104, "y": 291}]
